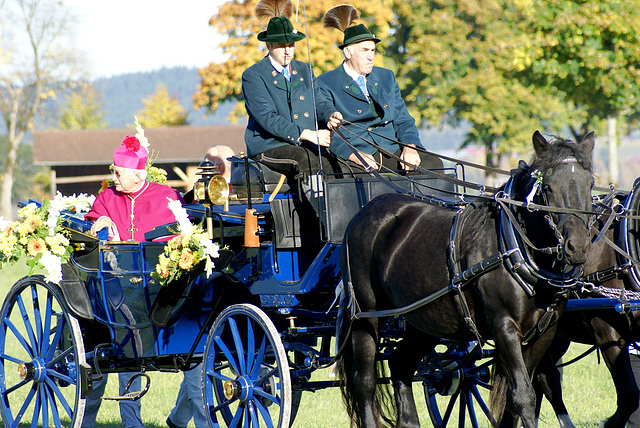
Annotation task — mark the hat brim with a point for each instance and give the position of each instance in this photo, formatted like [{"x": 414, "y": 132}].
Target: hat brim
[
  {"x": 358, "y": 38},
  {"x": 280, "y": 38}
]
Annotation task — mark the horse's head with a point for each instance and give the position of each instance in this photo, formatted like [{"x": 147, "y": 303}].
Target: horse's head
[{"x": 561, "y": 177}]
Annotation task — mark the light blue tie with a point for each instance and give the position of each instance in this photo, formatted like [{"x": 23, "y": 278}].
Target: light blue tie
[
  {"x": 363, "y": 86},
  {"x": 286, "y": 73}
]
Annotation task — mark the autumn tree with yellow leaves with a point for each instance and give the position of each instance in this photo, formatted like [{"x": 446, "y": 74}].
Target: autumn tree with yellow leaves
[{"x": 222, "y": 80}]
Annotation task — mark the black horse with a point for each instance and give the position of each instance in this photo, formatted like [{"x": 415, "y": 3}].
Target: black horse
[
  {"x": 610, "y": 331},
  {"x": 399, "y": 249}
]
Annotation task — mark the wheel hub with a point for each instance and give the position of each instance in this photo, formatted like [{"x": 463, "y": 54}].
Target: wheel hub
[
  {"x": 231, "y": 389},
  {"x": 34, "y": 370}
]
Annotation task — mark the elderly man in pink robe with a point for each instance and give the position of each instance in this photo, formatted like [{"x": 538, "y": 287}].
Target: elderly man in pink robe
[{"x": 133, "y": 205}]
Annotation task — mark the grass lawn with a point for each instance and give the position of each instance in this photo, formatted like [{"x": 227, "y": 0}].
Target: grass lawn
[{"x": 588, "y": 391}]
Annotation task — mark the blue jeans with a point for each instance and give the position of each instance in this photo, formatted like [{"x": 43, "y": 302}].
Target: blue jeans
[
  {"x": 189, "y": 401},
  {"x": 129, "y": 410}
]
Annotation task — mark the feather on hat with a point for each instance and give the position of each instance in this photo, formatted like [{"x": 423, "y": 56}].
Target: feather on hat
[
  {"x": 279, "y": 29},
  {"x": 342, "y": 17},
  {"x": 267, "y": 9}
]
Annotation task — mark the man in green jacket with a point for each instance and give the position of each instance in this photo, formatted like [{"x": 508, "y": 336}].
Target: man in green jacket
[{"x": 279, "y": 94}]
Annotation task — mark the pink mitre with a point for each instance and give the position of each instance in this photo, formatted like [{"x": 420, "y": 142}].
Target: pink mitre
[{"x": 130, "y": 154}]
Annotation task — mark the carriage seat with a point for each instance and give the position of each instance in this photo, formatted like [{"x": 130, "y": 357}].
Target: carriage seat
[{"x": 261, "y": 175}]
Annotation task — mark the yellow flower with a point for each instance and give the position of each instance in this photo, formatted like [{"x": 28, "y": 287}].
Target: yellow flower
[
  {"x": 7, "y": 245},
  {"x": 36, "y": 246},
  {"x": 186, "y": 259},
  {"x": 32, "y": 222},
  {"x": 27, "y": 211}
]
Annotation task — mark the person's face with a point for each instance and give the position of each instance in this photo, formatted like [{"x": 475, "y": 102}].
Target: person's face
[
  {"x": 359, "y": 56},
  {"x": 126, "y": 180},
  {"x": 282, "y": 52}
]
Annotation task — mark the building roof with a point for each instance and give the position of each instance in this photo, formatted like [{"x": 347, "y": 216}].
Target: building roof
[{"x": 96, "y": 146}]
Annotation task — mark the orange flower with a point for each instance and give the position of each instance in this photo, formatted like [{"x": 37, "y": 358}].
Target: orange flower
[
  {"x": 186, "y": 259},
  {"x": 163, "y": 271},
  {"x": 32, "y": 222},
  {"x": 36, "y": 246}
]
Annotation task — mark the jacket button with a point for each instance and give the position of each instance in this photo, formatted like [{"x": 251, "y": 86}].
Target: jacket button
[
  {"x": 369, "y": 129},
  {"x": 295, "y": 116},
  {"x": 273, "y": 73},
  {"x": 346, "y": 87},
  {"x": 294, "y": 72},
  {"x": 359, "y": 111},
  {"x": 302, "y": 79},
  {"x": 386, "y": 106},
  {"x": 306, "y": 114},
  {"x": 375, "y": 84},
  {"x": 275, "y": 82},
  {"x": 301, "y": 97}
]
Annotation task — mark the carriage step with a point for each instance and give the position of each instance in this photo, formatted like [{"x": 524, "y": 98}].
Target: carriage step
[{"x": 133, "y": 395}]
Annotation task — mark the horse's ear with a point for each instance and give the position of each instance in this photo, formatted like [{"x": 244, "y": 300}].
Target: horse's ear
[
  {"x": 587, "y": 144},
  {"x": 540, "y": 144}
]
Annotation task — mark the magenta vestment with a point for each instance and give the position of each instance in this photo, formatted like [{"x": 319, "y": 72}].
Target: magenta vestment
[{"x": 150, "y": 209}]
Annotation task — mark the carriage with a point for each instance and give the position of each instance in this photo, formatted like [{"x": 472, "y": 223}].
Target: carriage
[{"x": 261, "y": 324}]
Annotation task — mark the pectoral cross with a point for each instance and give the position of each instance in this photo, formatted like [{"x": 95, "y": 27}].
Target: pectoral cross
[{"x": 132, "y": 229}]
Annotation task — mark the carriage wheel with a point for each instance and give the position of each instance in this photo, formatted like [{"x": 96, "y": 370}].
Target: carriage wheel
[
  {"x": 246, "y": 376},
  {"x": 41, "y": 351},
  {"x": 453, "y": 381}
]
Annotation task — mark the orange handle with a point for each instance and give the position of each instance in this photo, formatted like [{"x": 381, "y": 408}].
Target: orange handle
[{"x": 251, "y": 229}]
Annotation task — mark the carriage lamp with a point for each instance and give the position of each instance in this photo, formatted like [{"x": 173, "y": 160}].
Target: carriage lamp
[{"x": 211, "y": 188}]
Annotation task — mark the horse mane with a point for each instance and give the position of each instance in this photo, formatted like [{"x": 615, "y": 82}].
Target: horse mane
[{"x": 561, "y": 149}]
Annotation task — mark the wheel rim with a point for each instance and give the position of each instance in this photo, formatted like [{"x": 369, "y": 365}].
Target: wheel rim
[
  {"x": 41, "y": 350},
  {"x": 453, "y": 391},
  {"x": 246, "y": 376}
]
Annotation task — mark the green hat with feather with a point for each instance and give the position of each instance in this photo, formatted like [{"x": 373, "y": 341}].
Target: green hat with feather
[
  {"x": 279, "y": 29},
  {"x": 342, "y": 17}
]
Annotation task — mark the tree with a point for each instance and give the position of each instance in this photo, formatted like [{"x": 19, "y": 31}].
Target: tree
[
  {"x": 588, "y": 51},
  {"x": 160, "y": 110},
  {"x": 222, "y": 81},
  {"x": 40, "y": 63},
  {"x": 82, "y": 109},
  {"x": 455, "y": 62}
]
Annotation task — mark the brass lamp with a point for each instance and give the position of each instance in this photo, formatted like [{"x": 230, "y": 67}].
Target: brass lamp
[{"x": 210, "y": 189}]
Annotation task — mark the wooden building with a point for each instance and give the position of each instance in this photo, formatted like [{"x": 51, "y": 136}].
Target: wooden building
[{"x": 79, "y": 160}]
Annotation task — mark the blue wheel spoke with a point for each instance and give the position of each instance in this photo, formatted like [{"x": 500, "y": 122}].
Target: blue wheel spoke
[
  {"x": 47, "y": 326},
  {"x": 15, "y": 387},
  {"x": 237, "y": 418},
  {"x": 37, "y": 317},
  {"x": 261, "y": 392},
  {"x": 251, "y": 346},
  {"x": 227, "y": 353},
  {"x": 12, "y": 358},
  {"x": 259, "y": 358},
  {"x": 254, "y": 415},
  {"x": 19, "y": 337},
  {"x": 451, "y": 405},
  {"x": 27, "y": 324},
  {"x": 264, "y": 412},
  {"x": 51, "y": 343},
  {"x": 482, "y": 404},
  {"x": 54, "y": 374},
  {"x": 36, "y": 410},
  {"x": 54, "y": 407},
  {"x": 462, "y": 411},
  {"x": 26, "y": 403},
  {"x": 237, "y": 341}
]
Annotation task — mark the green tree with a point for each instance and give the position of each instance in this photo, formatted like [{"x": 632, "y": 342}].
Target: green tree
[
  {"x": 160, "y": 109},
  {"x": 455, "y": 62},
  {"x": 222, "y": 80},
  {"x": 40, "y": 62},
  {"x": 82, "y": 110}
]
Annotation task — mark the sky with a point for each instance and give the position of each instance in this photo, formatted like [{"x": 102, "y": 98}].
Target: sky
[{"x": 127, "y": 36}]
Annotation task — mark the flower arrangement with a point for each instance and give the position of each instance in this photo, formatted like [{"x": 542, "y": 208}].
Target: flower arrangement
[
  {"x": 184, "y": 251},
  {"x": 39, "y": 237},
  {"x": 154, "y": 174}
]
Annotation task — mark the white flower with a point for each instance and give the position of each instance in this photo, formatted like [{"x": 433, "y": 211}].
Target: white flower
[
  {"x": 184, "y": 224},
  {"x": 4, "y": 224},
  {"x": 210, "y": 250},
  {"x": 144, "y": 141},
  {"x": 52, "y": 265}
]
